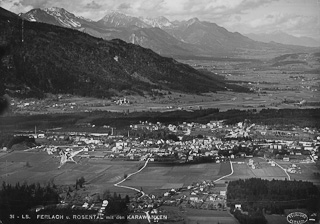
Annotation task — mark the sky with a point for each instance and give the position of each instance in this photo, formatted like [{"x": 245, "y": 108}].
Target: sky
[{"x": 295, "y": 17}]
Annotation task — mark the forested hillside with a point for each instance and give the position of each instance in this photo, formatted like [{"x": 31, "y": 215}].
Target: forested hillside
[{"x": 40, "y": 58}]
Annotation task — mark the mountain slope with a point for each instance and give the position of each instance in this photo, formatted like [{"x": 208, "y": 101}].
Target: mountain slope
[
  {"x": 144, "y": 32},
  {"x": 117, "y": 19},
  {"x": 60, "y": 60},
  {"x": 186, "y": 38},
  {"x": 159, "y": 22},
  {"x": 284, "y": 38},
  {"x": 210, "y": 35},
  {"x": 56, "y": 16}
]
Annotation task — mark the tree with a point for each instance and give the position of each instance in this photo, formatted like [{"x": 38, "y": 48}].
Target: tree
[
  {"x": 81, "y": 181},
  {"x": 127, "y": 199},
  {"x": 106, "y": 195}
]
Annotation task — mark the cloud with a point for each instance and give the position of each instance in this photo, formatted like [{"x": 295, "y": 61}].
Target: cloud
[
  {"x": 284, "y": 21},
  {"x": 291, "y": 23},
  {"x": 124, "y": 6},
  {"x": 176, "y": 9},
  {"x": 93, "y": 5},
  {"x": 236, "y": 15}
]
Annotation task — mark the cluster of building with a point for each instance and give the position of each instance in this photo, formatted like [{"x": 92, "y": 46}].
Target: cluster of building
[
  {"x": 202, "y": 195},
  {"x": 216, "y": 143},
  {"x": 122, "y": 101}
]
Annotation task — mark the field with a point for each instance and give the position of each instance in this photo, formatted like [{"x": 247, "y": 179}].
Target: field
[
  {"x": 307, "y": 171},
  {"x": 157, "y": 178},
  {"x": 264, "y": 170},
  {"x": 200, "y": 216},
  {"x": 102, "y": 174},
  {"x": 99, "y": 174},
  {"x": 275, "y": 84}
]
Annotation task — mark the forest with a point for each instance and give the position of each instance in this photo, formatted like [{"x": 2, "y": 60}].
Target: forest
[
  {"x": 273, "y": 196},
  {"x": 105, "y": 68},
  {"x": 22, "y": 199}
]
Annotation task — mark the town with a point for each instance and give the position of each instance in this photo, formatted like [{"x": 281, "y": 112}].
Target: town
[
  {"x": 149, "y": 143},
  {"x": 187, "y": 142}
]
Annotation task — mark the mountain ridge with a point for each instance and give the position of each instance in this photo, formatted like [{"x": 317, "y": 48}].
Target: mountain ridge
[
  {"x": 284, "y": 38},
  {"x": 54, "y": 59},
  {"x": 193, "y": 37}
]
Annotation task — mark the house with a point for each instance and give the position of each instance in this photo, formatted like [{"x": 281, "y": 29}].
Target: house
[{"x": 194, "y": 198}]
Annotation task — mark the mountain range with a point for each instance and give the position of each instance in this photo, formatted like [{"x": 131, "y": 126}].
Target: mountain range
[
  {"x": 190, "y": 37},
  {"x": 39, "y": 58},
  {"x": 284, "y": 38}
]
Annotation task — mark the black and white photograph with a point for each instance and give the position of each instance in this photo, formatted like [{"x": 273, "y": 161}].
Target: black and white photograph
[{"x": 159, "y": 111}]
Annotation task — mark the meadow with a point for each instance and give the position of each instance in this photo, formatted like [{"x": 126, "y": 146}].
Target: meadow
[
  {"x": 100, "y": 175},
  {"x": 158, "y": 178},
  {"x": 264, "y": 171},
  {"x": 307, "y": 171}
]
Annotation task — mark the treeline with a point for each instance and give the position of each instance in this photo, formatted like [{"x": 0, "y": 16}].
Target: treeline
[
  {"x": 116, "y": 204},
  {"x": 277, "y": 117},
  {"x": 255, "y": 217},
  {"x": 18, "y": 199},
  {"x": 273, "y": 196},
  {"x": 17, "y": 142},
  {"x": 23, "y": 199}
]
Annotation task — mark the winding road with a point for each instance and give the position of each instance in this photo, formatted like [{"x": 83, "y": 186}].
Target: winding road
[
  {"x": 289, "y": 178},
  {"x": 145, "y": 164},
  {"x": 129, "y": 175},
  {"x": 227, "y": 174}
]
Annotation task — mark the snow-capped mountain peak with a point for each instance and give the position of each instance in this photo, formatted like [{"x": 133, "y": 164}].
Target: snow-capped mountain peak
[
  {"x": 53, "y": 15},
  {"x": 118, "y": 19},
  {"x": 160, "y": 21}
]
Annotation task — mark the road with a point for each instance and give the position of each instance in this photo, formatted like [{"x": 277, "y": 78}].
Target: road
[
  {"x": 129, "y": 175},
  {"x": 289, "y": 178},
  {"x": 227, "y": 174}
]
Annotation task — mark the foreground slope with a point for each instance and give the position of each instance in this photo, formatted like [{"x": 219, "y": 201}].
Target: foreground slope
[{"x": 44, "y": 58}]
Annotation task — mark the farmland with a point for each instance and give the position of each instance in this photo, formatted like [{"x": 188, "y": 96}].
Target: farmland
[
  {"x": 264, "y": 170},
  {"x": 42, "y": 168},
  {"x": 157, "y": 178},
  {"x": 274, "y": 84},
  {"x": 196, "y": 216},
  {"x": 102, "y": 174},
  {"x": 307, "y": 171}
]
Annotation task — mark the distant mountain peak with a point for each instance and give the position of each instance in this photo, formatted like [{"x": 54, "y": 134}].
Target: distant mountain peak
[
  {"x": 119, "y": 19},
  {"x": 281, "y": 37},
  {"x": 114, "y": 13},
  {"x": 54, "y": 9},
  {"x": 193, "y": 21},
  {"x": 53, "y": 15},
  {"x": 277, "y": 32},
  {"x": 160, "y": 21}
]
